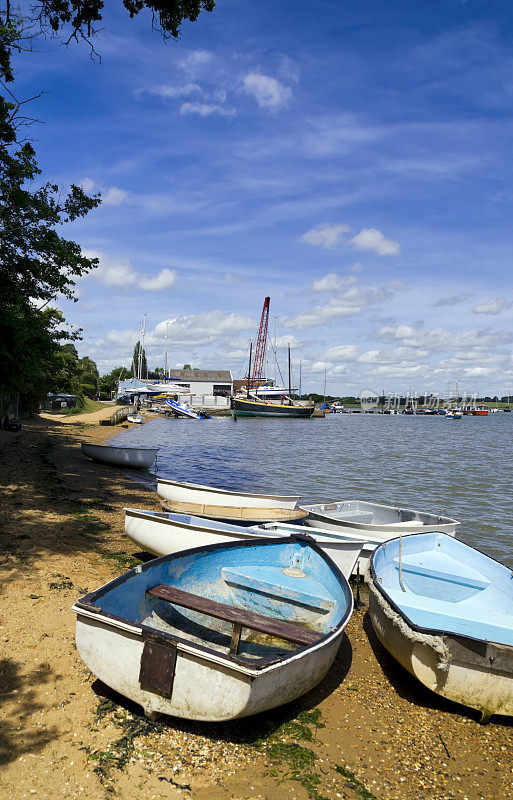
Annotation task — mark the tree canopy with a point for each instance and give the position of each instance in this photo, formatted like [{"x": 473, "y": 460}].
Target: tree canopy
[{"x": 37, "y": 264}]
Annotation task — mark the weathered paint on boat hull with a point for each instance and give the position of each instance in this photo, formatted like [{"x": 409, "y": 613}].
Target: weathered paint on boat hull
[
  {"x": 202, "y": 690},
  {"x": 464, "y": 670}
]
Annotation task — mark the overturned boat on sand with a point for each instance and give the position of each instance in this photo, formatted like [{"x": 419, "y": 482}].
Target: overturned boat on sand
[{"x": 133, "y": 457}]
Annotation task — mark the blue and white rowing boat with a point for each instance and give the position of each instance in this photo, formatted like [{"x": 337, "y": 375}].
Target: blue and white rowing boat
[
  {"x": 218, "y": 632},
  {"x": 445, "y": 612}
]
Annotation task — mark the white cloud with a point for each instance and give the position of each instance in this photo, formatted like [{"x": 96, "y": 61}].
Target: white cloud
[
  {"x": 344, "y": 352},
  {"x": 268, "y": 92},
  {"x": 119, "y": 273},
  {"x": 329, "y": 283},
  {"x": 110, "y": 197},
  {"x": 114, "y": 272},
  {"x": 163, "y": 280},
  {"x": 479, "y": 372},
  {"x": 326, "y": 236},
  {"x": 195, "y": 60},
  {"x": 166, "y": 91},
  {"x": 493, "y": 307},
  {"x": 206, "y": 109},
  {"x": 320, "y": 366},
  {"x": 372, "y": 239},
  {"x": 202, "y": 329},
  {"x": 349, "y": 301},
  {"x": 114, "y": 196},
  {"x": 88, "y": 185},
  {"x": 440, "y": 339}
]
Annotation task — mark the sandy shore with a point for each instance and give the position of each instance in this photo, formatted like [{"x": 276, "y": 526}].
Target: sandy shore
[{"x": 369, "y": 730}]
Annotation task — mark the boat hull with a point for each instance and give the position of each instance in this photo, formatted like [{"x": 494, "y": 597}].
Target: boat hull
[
  {"x": 161, "y": 536},
  {"x": 254, "y": 408},
  {"x": 476, "y": 674},
  {"x": 202, "y": 690},
  {"x": 180, "y": 492},
  {"x": 183, "y": 657},
  {"x": 132, "y": 457}
]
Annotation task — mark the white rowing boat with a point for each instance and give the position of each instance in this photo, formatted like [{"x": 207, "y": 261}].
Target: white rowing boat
[
  {"x": 218, "y": 632},
  {"x": 161, "y": 533},
  {"x": 133, "y": 457},
  {"x": 375, "y": 519},
  {"x": 179, "y": 492}
]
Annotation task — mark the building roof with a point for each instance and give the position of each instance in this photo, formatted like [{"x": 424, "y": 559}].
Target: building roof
[{"x": 192, "y": 375}]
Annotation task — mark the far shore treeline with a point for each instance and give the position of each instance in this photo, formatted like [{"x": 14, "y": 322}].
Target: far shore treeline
[{"x": 38, "y": 266}]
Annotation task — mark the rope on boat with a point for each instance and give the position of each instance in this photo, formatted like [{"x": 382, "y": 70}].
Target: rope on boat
[{"x": 401, "y": 563}]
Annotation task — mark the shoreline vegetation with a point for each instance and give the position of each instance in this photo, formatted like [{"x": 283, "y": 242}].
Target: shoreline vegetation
[{"x": 369, "y": 730}]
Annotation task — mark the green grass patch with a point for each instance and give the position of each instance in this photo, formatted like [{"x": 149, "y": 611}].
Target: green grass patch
[
  {"x": 118, "y": 753},
  {"x": 352, "y": 782},
  {"x": 292, "y": 760},
  {"x": 87, "y": 407},
  {"x": 64, "y": 583},
  {"x": 121, "y": 559}
]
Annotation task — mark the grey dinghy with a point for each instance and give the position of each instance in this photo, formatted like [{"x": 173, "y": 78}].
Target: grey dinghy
[
  {"x": 162, "y": 533},
  {"x": 375, "y": 519},
  {"x": 445, "y": 612},
  {"x": 133, "y": 457},
  {"x": 218, "y": 632}
]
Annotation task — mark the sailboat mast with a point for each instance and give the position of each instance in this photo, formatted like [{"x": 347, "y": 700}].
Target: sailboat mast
[
  {"x": 249, "y": 366},
  {"x": 290, "y": 389},
  {"x": 165, "y": 352},
  {"x": 141, "y": 351},
  {"x": 275, "y": 354}
]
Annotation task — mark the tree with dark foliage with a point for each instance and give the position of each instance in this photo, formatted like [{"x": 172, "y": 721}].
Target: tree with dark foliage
[{"x": 38, "y": 265}]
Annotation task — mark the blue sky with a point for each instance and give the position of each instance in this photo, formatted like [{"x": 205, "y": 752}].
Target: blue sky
[{"x": 353, "y": 160}]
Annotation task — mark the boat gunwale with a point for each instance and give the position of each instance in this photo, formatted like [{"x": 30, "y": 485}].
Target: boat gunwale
[
  {"x": 85, "y": 606},
  {"x": 119, "y": 447},
  {"x": 406, "y": 618},
  {"x": 227, "y": 491},
  {"x": 152, "y": 515}
]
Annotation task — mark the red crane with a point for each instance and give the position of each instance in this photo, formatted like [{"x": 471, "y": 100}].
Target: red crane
[{"x": 258, "y": 362}]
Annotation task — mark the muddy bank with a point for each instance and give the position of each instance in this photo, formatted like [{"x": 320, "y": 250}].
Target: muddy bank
[{"x": 369, "y": 730}]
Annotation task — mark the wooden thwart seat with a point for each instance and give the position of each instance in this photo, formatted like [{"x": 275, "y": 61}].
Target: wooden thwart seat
[{"x": 238, "y": 616}]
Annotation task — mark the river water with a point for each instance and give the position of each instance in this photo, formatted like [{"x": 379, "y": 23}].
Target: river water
[{"x": 458, "y": 468}]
